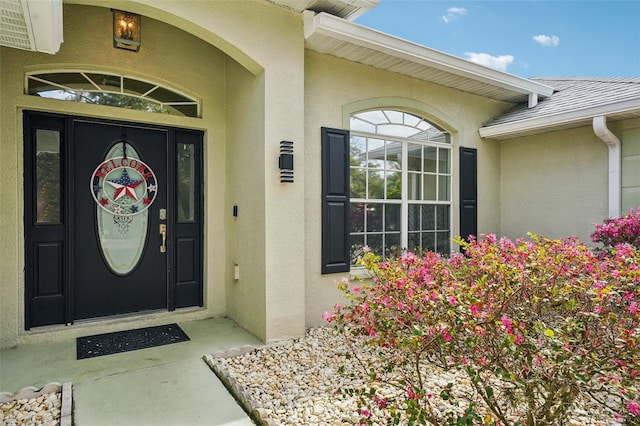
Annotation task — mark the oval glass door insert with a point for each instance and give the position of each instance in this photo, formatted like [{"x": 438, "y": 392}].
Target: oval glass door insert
[{"x": 124, "y": 188}]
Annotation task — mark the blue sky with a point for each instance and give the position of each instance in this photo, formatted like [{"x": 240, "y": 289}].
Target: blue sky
[{"x": 528, "y": 38}]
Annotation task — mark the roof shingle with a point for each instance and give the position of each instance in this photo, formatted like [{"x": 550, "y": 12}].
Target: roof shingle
[{"x": 572, "y": 94}]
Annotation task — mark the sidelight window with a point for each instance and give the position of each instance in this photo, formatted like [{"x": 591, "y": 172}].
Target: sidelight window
[{"x": 47, "y": 182}]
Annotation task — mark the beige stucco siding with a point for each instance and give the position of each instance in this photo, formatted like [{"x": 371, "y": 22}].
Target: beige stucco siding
[
  {"x": 630, "y": 167},
  {"x": 554, "y": 184},
  {"x": 334, "y": 88},
  {"x": 246, "y": 64},
  {"x": 169, "y": 56},
  {"x": 267, "y": 41},
  {"x": 245, "y": 233}
]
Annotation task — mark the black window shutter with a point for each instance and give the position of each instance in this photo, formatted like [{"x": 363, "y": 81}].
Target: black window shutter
[
  {"x": 468, "y": 192},
  {"x": 335, "y": 201}
]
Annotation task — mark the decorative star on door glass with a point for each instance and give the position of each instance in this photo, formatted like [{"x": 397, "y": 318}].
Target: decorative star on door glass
[{"x": 124, "y": 186}]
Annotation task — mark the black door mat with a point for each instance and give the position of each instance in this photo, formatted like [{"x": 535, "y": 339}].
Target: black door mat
[{"x": 130, "y": 340}]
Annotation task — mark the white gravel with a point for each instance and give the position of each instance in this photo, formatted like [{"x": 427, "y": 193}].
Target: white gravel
[
  {"x": 44, "y": 410},
  {"x": 298, "y": 382}
]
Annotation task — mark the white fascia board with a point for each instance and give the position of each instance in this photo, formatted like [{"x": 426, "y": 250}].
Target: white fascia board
[
  {"x": 44, "y": 22},
  {"x": 339, "y": 29},
  {"x": 549, "y": 121}
]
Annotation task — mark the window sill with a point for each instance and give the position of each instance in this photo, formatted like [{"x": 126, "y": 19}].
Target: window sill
[{"x": 360, "y": 273}]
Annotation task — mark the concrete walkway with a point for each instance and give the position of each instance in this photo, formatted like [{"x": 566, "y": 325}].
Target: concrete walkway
[{"x": 165, "y": 385}]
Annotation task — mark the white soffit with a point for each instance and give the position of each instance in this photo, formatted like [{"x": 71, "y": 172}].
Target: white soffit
[
  {"x": 328, "y": 34},
  {"x": 34, "y": 25},
  {"x": 347, "y": 9}
]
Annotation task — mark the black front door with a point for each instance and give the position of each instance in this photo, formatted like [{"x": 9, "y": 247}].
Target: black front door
[
  {"x": 113, "y": 219},
  {"x": 120, "y": 192}
]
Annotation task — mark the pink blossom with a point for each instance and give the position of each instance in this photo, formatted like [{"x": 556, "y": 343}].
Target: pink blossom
[
  {"x": 633, "y": 308},
  {"x": 633, "y": 408},
  {"x": 327, "y": 316},
  {"x": 475, "y": 310},
  {"x": 507, "y": 323},
  {"x": 380, "y": 402},
  {"x": 411, "y": 393}
]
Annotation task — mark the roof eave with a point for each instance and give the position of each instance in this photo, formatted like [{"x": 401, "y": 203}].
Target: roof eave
[
  {"x": 362, "y": 7},
  {"x": 347, "y": 9},
  {"x": 326, "y": 25},
  {"x": 549, "y": 122}
]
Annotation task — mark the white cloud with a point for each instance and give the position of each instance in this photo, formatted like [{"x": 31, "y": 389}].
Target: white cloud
[
  {"x": 458, "y": 10},
  {"x": 546, "y": 40},
  {"x": 453, "y": 13},
  {"x": 497, "y": 62}
]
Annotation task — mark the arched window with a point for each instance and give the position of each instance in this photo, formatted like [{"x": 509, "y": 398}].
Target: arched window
[
  {"x": 105, "y": 88},
  {"x": 400, "y": 184}
]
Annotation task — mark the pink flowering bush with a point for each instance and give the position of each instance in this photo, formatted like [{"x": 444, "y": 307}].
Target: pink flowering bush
[
  {"x": 533, "y": 325},
  {"x": 623, "y": 230}
]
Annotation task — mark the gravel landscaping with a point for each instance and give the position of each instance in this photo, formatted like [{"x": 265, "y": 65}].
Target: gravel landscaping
[
  {"x": 44, "y": 410},
  {"x": 47, "y": 406},
  {"x": 298, "y": 383}
]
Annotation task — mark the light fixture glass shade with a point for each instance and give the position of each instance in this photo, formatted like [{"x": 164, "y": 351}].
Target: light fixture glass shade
[{"x": 126, "y": 30}]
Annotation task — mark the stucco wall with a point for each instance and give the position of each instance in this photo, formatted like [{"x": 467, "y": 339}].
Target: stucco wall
[
  {"x": 554, "y": 184},
  {"x": 245, "y": 234},
  {"x": 333, "y": 89},
  {"x": 630, "y": 167},
  {"x": 268, "y": 41},
  {"x": 168, "y": 56},
  {"x": 263, "y": 47}
]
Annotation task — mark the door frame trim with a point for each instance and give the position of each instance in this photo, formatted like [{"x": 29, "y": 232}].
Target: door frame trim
[{"x": 68, "y": 186}]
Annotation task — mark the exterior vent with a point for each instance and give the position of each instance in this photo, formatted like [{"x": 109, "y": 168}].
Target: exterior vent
[
  {"x": 13, "y": 27},
  {"x": 34, "y": 25}
]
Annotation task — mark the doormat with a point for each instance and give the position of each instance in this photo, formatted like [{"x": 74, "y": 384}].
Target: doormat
[{"x": 129, "y": 340}]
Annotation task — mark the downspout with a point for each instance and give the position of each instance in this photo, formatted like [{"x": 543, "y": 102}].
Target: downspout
[{"x": 601, "y": 130}]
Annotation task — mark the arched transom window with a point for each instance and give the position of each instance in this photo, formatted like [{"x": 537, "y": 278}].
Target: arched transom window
[
  {"x": 400, "y": 184},
  {"x": 105, "y": 88}
]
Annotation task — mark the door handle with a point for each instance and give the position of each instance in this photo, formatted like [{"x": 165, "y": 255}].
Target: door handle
[{"x": 163, "y": 232}]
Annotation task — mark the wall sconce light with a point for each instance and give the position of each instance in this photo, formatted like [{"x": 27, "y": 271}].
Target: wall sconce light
[
  {"x": 286, "y": 162},
  {"x": 127, "y": 30}
]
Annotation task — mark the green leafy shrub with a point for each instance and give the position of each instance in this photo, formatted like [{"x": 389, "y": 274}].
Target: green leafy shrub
[{"x": 534, "y": 325}]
